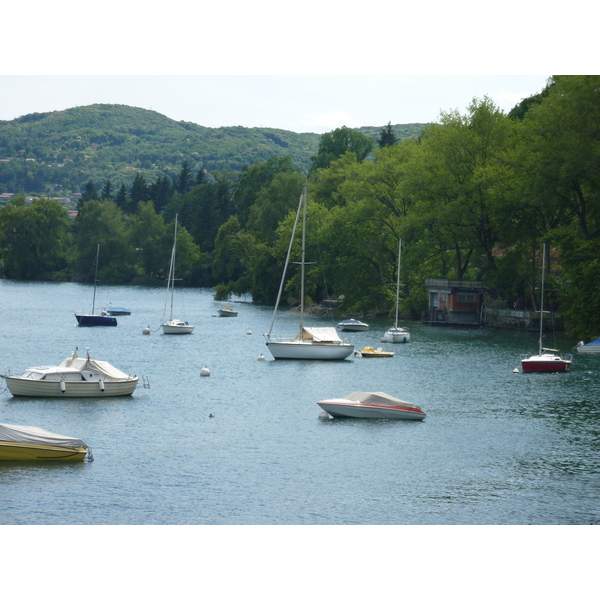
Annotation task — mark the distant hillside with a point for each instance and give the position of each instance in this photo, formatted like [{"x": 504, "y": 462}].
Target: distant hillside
[{"x": 56, "y": 153}]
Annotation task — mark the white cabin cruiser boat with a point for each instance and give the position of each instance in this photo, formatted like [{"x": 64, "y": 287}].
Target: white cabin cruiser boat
[
  {"x": 353, "y": 325},
  {"x": 75, "y": 377},
  {"x": 227, "y": 311},
  {"x": 372, "y": 405}
]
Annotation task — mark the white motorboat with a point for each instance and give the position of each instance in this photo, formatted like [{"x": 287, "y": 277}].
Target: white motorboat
[
  {"x": 20, "y": 442},
  {"x": 174, "y": 326},
  {"x": 352, "y": 325},
  {"x": 372, "y": 405},
  {"x": 395, "y": 334},
  {"x": 590, "y": 348},
  {"x": 311, "y": 343},
  {"x": 75, "y": 377},
  {"x": 546, "y": 361},
  {"x": 227, "y": 311}
]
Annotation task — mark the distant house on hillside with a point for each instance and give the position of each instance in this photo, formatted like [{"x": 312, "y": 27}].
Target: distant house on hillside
[{"x": 457, "y": 303}]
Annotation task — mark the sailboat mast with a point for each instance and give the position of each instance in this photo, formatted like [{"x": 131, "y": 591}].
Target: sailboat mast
[
  {"x": 172, "y": 269},
  {"x": 302, "y": 264},
  {"x": 398, "y": 281},
  {"x": 542, "y": 299},
  {"x": 287, "y": 260},
  {"x": 95, "y": 279}
]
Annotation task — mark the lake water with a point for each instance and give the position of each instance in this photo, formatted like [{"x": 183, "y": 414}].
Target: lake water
[{"x": 495, "y": 448}]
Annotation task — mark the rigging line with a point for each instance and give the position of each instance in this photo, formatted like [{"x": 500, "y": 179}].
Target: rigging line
[{"x": 287, "y": 259}]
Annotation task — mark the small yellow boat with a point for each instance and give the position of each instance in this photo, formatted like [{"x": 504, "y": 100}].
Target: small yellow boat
[
  {"x": 19, "y": 442},
  {"x": 368, "y": 352}
]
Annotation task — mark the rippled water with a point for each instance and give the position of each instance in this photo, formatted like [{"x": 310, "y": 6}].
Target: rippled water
[{"x": 495, "y": 448}]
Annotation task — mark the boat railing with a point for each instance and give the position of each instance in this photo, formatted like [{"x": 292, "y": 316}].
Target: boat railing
[{"x": 279, "y": 339}]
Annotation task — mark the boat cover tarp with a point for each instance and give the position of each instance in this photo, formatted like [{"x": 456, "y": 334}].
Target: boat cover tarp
[
  {"x": 380, "y": 398},
  {"x": 99, "y": 366},
  {"x": 593, "y": 346},
  {"x": 320, "y": 334},
  {"x": 24, "y": 434}
]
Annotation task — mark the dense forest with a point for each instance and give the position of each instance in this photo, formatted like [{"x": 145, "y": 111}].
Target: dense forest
[
  {"x": 56, "y": 153},
  {"x": 473, "y": 197}
]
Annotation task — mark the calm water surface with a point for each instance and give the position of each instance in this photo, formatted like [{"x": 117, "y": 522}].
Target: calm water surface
[{"x": 495, "y": 448}]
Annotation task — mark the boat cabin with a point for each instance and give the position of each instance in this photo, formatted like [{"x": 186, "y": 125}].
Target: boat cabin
[{"x": 456, "y": 303}]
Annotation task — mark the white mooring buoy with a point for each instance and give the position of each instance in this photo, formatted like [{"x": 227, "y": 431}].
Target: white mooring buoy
[
  {"x": 261, "y": 357},
  {"x": 146, "y": 330},
  {"x": 205, "y": 372}
]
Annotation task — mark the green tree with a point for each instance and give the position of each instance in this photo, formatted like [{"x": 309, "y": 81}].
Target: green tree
[
  {"x": 336, "y": 143},
  {"x": 103, "y": 223},
  {"x": 387, "y": 137},
  {"x": 151, "y": 239},
  {"x": 106, "y": 193},
  {"x": 184, "y": 179},
  {"x": 36, "y": 240}
]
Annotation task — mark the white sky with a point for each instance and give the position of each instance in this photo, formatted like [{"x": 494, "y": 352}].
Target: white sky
[
  {"x": 296, "y": 103},
  {"x": 307, "y": 67}
]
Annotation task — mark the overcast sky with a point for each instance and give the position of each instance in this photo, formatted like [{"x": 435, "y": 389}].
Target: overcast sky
[
  {"x": 307, "y": 67},
  {"x": 301, "y": 103}
]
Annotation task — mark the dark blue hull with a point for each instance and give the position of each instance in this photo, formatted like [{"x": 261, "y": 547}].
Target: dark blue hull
[{"x": 95, "y": 321}]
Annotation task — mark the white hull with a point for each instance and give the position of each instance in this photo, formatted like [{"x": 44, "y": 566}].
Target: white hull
[
  {"x": 227, "y": 313},
  {"x": 342, "y": 408},
  {"x": 72, "y": 389},
  {"x": 590, "y": 350},
  {"x": 176, "y": 327},
  {"x": 397, "y": 337},
  {"x": 300, "y": 350}
]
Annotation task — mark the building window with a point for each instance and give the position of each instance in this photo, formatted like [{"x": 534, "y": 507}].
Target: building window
[{"x": 467, "y": 298}]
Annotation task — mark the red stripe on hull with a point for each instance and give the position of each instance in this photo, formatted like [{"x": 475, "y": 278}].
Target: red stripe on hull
[{"x": 545, "y": 367}]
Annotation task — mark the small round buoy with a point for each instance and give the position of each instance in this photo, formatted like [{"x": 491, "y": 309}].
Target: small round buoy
[
  {"x": 249, "y": 332},
  {"x": 205, "y": 372},
  {"x": 214, "y": 315},
  {"x": 261, "y": 357},
  {"x": 146, "y": 330},
  {"x": 358, "y": 354},
  {"x": 516, "y": 370},
  {"x": 324, "y": 416},
  {"x": 383, "y": 340}
]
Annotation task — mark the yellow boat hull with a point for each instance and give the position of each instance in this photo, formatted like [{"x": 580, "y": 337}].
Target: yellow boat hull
[{"x": 21, "y": 451}]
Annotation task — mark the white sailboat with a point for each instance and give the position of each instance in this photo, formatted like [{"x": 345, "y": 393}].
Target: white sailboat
[
  {"x": 311, "y": 343},
  {"x": 174, "y": 326},
  {"x": 395, "y": 334}
]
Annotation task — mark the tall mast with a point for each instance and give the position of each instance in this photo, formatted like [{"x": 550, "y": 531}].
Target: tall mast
[
  {"x": 95, "y": 279},
  {"x": 398, "y": 281},
  {"x": 302, "y": 264},
  {"x": 542, "y": 300},
  {"x": 287, "y": 260},
  {"x": 172, "y": 269}
]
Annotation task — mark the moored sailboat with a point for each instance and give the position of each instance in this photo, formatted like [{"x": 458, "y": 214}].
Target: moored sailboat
[
  {"x": 546, "y": 361},
  {"x": 174, "y": 326},
  {"x": 395, "y": 334},
  {"x": 94, "y": 320},
  {"x": 311, "y": 343}
]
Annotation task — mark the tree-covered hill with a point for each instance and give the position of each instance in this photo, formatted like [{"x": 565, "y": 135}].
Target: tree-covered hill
[{"x": 55, "y": 153}]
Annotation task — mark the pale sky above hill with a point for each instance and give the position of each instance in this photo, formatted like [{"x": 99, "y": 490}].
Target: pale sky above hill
[
  {"x": 305, "y": 68},
  {"x": 304, "y": 103}
]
